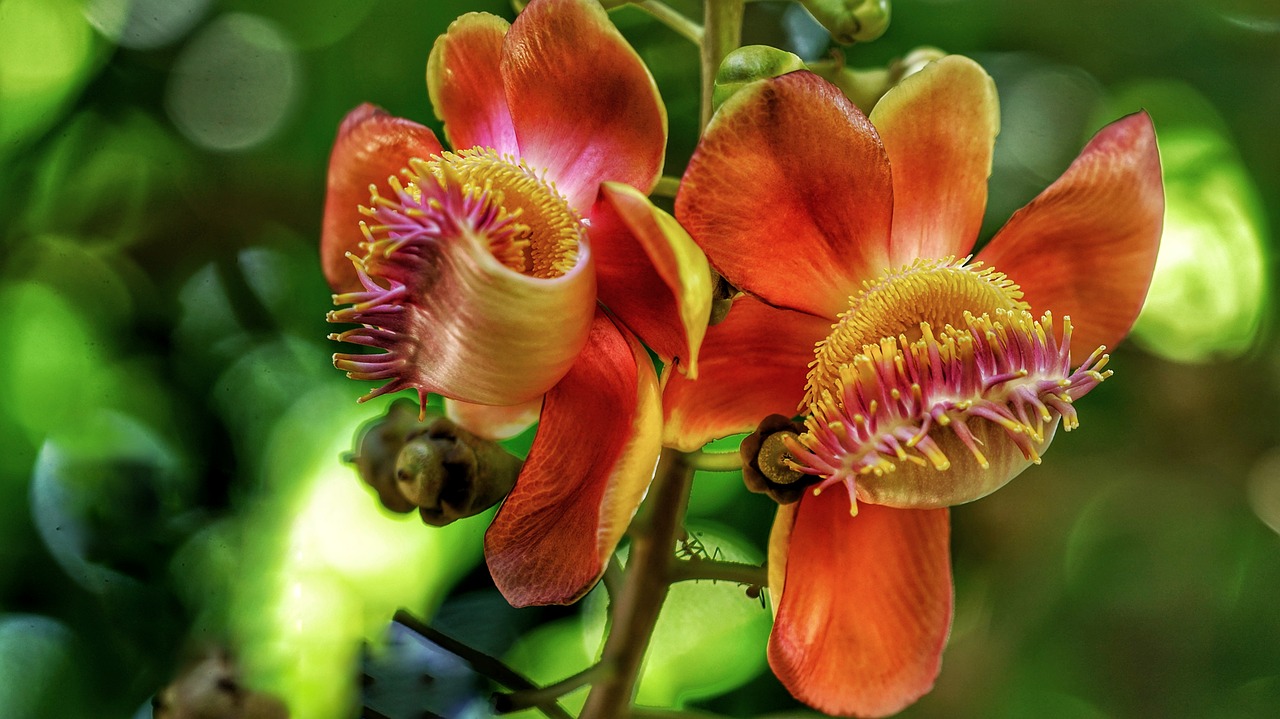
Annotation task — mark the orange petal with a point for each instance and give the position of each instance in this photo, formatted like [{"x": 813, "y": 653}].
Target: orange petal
[
  {"x": 465, "y": 83},
  {"x": 587, "y": 471},
  {"x": 789, "y": 194},
  {"x": 585, "y": 107},
  {"x": 371, "y": 146},
  {"x": 457, "y": 322},
  {"x": 866, "y": 608},
  {"x": 1086, "y": 247},
  {"x": 493, "y": 422},
  {"x": 651, "y": 274},
  {"x": 938, "y": 126},
  {"x": 751, "y": 365}
]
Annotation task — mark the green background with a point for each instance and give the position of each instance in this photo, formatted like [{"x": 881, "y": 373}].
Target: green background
[{"x": 171, "y": 424}]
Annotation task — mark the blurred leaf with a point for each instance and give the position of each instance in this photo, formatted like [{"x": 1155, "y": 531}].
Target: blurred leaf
[
  {"x": 111, "y": 502},
  {"x": 111, "y": 179},
  {"x": 710, "y": 637},
  {"x": 38, "y": 662}
]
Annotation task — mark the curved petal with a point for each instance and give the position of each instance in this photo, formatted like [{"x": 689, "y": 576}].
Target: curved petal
[
  {"x": 866, "y": 608},
  {"x": 789, "y": 194},
  {"x": 452, "y": 318},
  {"x": 1086, "y": 247},
  {"x": 491, "y": 421},
  {"x": 587, "y": 471},
  {"x": 464, "y": 81},
  {"x": 752, "y": 365},
  {"x": 779, "y": 544},
  {"x": 938, "y": 127},
  {"x": 584, "y": 105},
  {"x": 651, "y": 274},
  {"x": 371, "y": 146},
  {"x": 913, "y": 486}
]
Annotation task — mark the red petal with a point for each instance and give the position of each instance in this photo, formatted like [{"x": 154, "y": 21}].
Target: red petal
[
  {"x": 585, "y": 107},
  {"x": 1086, "y": 247},
  {"x": 651, "y": 274},
  {"x": 465, "y": 83},
  {"x": 866, "y": 608},
  {"x": 789, "y": 194},
  {"x": 371, "y": 146},
  {"x": 939, "y": 126},
  {"x": 751, "y": 365},
  {"x": 587, "y": 471}
]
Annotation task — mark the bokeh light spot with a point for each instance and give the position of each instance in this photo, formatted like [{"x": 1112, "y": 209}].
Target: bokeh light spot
[
  {"x": 234, "y": 83},
  {"x": 1210, "y": 289},
  {"x": 45, "y": 51},
  {"x": 145, "y": 24}
]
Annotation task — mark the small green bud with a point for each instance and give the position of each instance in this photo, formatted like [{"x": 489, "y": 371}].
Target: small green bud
[
  {"x": 750, "y": 63},
  {"x": 865, "y": 86},
  {"x": 850, "y": 21}
]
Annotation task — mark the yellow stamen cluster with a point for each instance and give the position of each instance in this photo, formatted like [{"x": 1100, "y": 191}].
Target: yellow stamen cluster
[
  {"x": 935, "y": 292},
  {"x": 547, "y": 232}
]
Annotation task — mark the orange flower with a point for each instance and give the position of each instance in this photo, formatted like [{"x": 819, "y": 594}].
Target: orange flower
[
  {"x": 478, "y": 271},
  {"x": 931, "y": 383}
]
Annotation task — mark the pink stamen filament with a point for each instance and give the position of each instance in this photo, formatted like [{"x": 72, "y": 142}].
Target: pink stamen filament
[{"x": 1010, "y": 371}]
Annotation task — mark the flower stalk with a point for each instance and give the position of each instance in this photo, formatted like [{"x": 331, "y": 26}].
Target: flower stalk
[
  {"x": 668, "y": 16},
  {"x": 648, "y": 577},
  {"x": 722, "y": 33}
]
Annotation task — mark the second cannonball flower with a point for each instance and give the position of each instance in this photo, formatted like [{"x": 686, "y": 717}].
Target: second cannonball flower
[
  {"x": 479, "y": 272},
  {"x": 926, "y": 377}
]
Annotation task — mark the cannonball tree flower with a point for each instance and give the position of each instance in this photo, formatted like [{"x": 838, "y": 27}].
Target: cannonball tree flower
[
  {"x": 926, "y": 377},
  {"x": 479, "y": 272}
]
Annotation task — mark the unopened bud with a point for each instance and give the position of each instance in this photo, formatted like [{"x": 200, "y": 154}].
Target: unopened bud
[
  {"x": 765, "y": 468},
  {"x": 435, "y": 466},
  {"x": 722, "y": 296},
  {"x": 865, "y": 86},
  {"x": 212, "y": 689},
  {"x": 748, "y": 64},
  {"x": 851, "y": 21}
]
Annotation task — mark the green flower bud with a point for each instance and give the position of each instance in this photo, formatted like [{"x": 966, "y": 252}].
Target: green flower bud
[
  {"x": 750, "y": 63},
  {"x": 851, "y": 21}
]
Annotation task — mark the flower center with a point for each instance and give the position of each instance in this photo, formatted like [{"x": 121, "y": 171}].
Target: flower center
[
  {"x": 927, "y": 292},
  {"x": 527, "y": 224},
  {"x": 930, "y": 359}
]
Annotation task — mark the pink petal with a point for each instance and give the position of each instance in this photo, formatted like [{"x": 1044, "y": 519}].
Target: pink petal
[
  {"x": 789, "y": 194},
  {"x": 1086, "y": 247},
  {"x": 465, "y": 83},
  {"x": 938, "y": 127},
  {"x": 585, "y": 107},
  {"x": 751, "y": 365},
  {"x": 866, "y": 607},
  {"x": 494, "y": 422},
  {"x": 587, "y": 471},
  {"x": 453, "y": 319},
  {"x": 651, "y": 274},
  {"x": 371, "y": 146}
]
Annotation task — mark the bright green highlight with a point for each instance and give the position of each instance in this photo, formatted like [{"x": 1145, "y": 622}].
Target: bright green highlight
[
  {"x": 1210, "y": 289},
  {"x": 327, "y": 566},
  {"x": 700, "y": 620},
  {"x": 46, "y": 48}
]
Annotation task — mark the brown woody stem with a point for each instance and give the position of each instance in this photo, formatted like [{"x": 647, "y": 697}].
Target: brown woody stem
[{"x": 648, "y": 577}]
